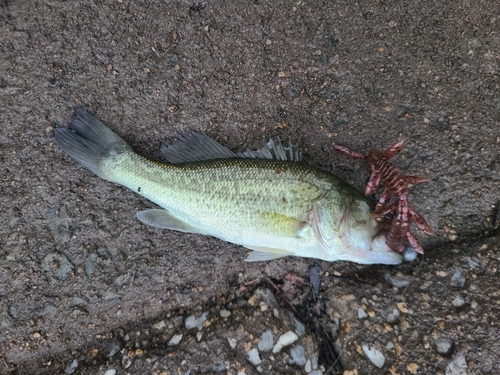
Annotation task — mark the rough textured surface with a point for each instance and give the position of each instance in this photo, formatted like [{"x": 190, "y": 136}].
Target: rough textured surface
[{"x": 79, "y": 273}]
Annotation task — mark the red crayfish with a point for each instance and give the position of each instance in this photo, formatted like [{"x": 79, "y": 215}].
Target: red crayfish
[{"x": 392, "y": 210}]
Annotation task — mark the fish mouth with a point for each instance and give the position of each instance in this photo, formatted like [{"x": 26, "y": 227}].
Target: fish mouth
[{"x": 381, "y": 253}]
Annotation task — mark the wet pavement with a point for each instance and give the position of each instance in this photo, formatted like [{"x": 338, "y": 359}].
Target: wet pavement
[{"x": 87, "y": 288}]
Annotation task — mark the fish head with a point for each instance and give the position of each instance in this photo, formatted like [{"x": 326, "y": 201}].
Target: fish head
[{"x": 346, "y": 231}]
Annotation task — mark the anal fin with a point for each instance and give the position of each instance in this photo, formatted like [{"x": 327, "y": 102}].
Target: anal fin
[
  {"x": 164, "y": 219},
  {"x": 261, "y": 253}
]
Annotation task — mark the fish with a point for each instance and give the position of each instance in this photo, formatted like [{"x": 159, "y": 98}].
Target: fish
[{"x": 266, "y": 200}]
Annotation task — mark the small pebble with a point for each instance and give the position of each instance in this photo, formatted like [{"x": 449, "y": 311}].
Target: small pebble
[
  {"x": 126, "y": 362},
  {"x": 159, "y": 326},
  {"x": 225, "y": 313},
  {"x": 458, "y": 301},
  {"x": 362, "y": 314},
  {"x": 300, "y": 329},
  {"x": 113, "y": 348},
  {"x": 397, "y": 281},
  {"x": 316, "y": 372},
  {"x": 199, "y": 336},
  {"x": 254, "y": 357},
  {"x": 266, "y": 342},
  {"x": 194, "y": 322},
  {"x": 220, "y": 367},
  {"x": 286, "y": 339},
  {"x": 335, "y": 328},
  {"x": 176, "y": 339},
  {"x": 71, "y": 368},
  {"x": 457, "y": 280},
  {"x": 444, "y": 346},
  {"x": 58, "y": 265},
  {"x": 374, "y": 355},
  {"x": 110, "y": 372},
  {"x": 458, "y": 366},
  {"x": 472, "y": 263},
  {"x": 393, "y": 317},
  {"x": 298, "y": 356},
  {"x": 308, "y": 366},
  {"x": 409, "y": 254},
  {"x": 314, "y": 361},
  {"x": 232, "y": 342},
  {"x": 13, "y": 312}
]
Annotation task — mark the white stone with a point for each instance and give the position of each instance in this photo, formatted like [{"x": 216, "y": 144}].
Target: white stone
[
  {"x": 232, "y": 342},
  {"x": 71, "y": 368},
  {"x": 225, "y": 313},
  {"x": 314, "y": 361},
  {"x": 286, "y": 339},
  {"x": 254, "y": 357},
  {"x": 194, "y": 322},
  {"x": 458, "y": 366},
  {"x": 266, "y": 341},
  {"x": 458, "y": 301},
  {"x": 298, "y": 356},
  {"x": 159, "y": 326},
  {"x": 308, "y": 366},
  {"x": 362, "y": 314},
  {"x": 110, "y": 372},
  {"x": 374, "y": 355},
  {"x": 175, "y": 340},
  {"x": 300, "y": 329}
]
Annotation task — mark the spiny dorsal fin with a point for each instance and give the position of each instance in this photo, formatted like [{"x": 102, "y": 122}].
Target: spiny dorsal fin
[
  {"x": 275, "y": 150},
  {"x": 194, "y": 146}
]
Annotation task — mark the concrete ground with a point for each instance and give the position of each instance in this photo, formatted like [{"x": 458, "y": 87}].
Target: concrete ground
[{"x": 87, "y": 288}]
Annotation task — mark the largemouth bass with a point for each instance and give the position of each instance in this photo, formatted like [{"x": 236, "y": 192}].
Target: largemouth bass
[{"x": 267, "y": 200}]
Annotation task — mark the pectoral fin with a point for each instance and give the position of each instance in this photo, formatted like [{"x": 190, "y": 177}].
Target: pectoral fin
[
  {"x": 163, "y": 219},
  {"x": 282, "y": 225},
  {"x": 261, "y": 253}
]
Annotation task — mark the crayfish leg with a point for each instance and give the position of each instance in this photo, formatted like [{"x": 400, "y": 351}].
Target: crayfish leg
[
  {"x": 373, "y": 182},
  {"x": 414, "y": 243},
  {"x": 394, "y": 149},
  {"x": 420, "y": 221},
  {"x": 383, "y": 200},
  {"x": 348, "y": 152}
]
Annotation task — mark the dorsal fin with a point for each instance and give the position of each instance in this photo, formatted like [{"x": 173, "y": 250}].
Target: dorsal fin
[
  {"x": 193, "y": 146},
  {"x": 275, "y": 150}
]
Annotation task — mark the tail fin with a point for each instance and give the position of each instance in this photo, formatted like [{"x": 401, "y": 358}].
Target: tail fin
[{"x": 89, "y": 141}]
